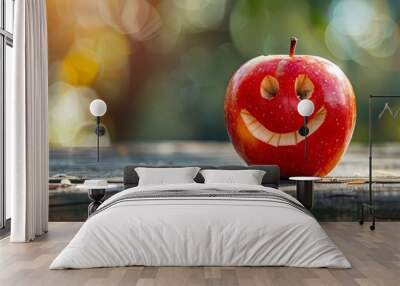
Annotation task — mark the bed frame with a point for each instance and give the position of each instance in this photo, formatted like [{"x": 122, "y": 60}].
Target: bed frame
[{"x": 270, "y": 179}]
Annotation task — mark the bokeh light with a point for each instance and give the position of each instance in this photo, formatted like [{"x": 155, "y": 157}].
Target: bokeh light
[
  {"x": 199, "y": 15},
  {"x": 163, "y": 66},
  {"x": 79, "y": 67},
  {"x": 69, "y": 113},
  {"x": 371, "y": 32},
  {"x": 139, "y": 19}
]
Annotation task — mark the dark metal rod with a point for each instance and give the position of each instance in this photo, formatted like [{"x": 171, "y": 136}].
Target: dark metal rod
[
  {"x": 384, "y": 96},
  {"x": 98, "y": 137},
  {"x": 370, "y": 205},
  {"x": 98, "y": 148},
  {"x": 305, "y": 138}
]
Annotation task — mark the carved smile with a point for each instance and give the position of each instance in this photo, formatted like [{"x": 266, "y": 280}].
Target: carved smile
[{"x": 265, "y": 135}]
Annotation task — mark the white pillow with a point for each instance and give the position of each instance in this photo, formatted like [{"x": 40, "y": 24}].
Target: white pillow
[
  {"x": 248, "y": 177},
  {"x": 163, "y": 176}
]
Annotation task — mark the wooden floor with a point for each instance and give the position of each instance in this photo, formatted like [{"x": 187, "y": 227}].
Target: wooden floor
[{"x": 375, "y": 257}]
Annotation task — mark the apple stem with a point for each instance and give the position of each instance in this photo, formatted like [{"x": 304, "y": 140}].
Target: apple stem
[{"x": 293, "y": 42}]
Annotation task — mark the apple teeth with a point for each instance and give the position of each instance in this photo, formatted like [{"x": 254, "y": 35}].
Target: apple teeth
[
  {"x": 274, "y": 141},
  {"x": 317, "y": 120},
  {"x": 288, "y": 139},
  {"x": 265, "y": 135},
  {"x": 255, "y": 127}
]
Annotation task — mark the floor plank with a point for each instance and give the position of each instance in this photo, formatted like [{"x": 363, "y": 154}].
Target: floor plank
[{"x": 375, "y": 257}]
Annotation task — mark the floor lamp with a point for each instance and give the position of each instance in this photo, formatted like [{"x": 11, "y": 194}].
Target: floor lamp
[
  {"x": 305, "y": 108},
  {"x": 98, "y": 108},
  {"x": 370, "y": 206}
]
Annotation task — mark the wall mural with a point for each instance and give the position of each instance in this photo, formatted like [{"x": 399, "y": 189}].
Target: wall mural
[
  {"x": 262, "y": 112},
  {"x": 162, "y": 67}
]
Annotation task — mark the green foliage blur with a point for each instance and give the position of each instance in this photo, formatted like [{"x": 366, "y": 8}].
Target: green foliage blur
[{"x": 170, "y": 83}]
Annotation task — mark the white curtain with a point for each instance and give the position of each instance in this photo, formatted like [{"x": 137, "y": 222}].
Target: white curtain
[{"x": 26, "y": 124}]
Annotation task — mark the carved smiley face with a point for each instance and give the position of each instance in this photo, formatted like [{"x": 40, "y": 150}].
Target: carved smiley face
[
  {"x": 262, "y": 118},
  {"x": 269, "y": 89}
]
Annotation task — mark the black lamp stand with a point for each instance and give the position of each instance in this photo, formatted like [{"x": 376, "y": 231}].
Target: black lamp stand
[
  {"x": 303, "y": 131},
  {"x": 100, "y": 131},
  {"x": 370, "y": 206}
]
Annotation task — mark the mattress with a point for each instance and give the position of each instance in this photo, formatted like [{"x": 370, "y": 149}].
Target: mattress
[{"x": 201, "y": 225}]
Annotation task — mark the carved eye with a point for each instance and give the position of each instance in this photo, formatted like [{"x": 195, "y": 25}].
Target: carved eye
[
  {"x": 303, "y": 87},
  {"x": 269, "y": 87}
]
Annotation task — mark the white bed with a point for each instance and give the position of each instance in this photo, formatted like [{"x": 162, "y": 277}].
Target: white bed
[{"x": 139, "y": 227}]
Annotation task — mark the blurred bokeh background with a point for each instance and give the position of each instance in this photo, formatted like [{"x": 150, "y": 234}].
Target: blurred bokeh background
[{"x": 162, "y": 66}]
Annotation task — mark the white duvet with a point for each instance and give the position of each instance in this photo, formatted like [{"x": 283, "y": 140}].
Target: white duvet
[{"x": 200, "y": 231}]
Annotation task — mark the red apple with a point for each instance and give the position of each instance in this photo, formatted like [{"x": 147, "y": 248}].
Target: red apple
[{"x": 263, "y": 122}]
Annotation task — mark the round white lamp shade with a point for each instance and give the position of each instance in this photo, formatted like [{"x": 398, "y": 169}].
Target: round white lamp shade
[
  {"x": 98, "y": 107},
  {"x": 305, "y": 107}
]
